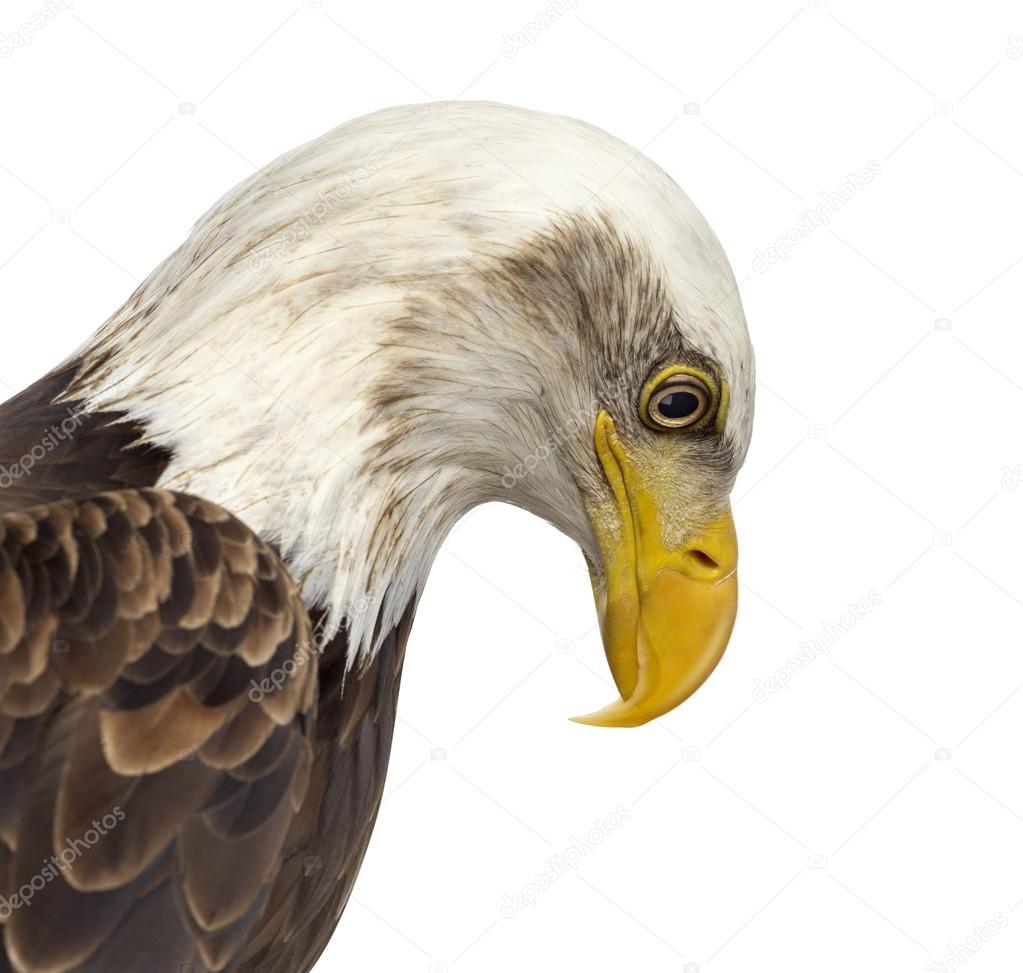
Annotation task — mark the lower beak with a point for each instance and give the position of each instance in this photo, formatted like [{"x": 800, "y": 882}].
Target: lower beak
[{"x": 666, "y": 614}]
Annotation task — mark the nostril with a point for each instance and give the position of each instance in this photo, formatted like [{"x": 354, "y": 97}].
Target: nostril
[
  {"x": 704, "y": 560},
  {"x": 701, "y": 566},
  {"x": 709, "y": 556}
]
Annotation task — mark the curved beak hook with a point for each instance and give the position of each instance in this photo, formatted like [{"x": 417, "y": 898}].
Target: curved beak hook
[{"x": 666, "y": 614}]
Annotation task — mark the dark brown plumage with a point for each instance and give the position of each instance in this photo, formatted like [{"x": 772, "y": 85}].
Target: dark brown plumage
[
  {"x": 208, "y": 810},
  {"x": 355, "y": 346}
]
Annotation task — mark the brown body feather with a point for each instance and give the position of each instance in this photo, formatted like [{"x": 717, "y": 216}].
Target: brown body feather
[{"x": 157, "y": 807}]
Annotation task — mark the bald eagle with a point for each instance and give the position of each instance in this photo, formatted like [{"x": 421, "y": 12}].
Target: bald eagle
[{"x": 217, "y": 516}]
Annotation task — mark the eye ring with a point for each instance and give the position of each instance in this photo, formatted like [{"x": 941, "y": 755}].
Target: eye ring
[{"x": 677, "y": 399}]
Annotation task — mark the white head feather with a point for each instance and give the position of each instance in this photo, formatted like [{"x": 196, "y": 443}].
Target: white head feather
[{"x": 257, "y": 353}]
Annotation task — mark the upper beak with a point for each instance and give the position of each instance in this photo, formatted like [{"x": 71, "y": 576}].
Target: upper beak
[{"x": 666, "y": 614}]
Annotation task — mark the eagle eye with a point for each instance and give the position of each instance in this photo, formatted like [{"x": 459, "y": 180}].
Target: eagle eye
[{"x": 679, "y": 401}]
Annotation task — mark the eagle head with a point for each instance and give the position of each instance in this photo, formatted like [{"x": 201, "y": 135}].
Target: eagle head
[{"x": 441, "y": 305}]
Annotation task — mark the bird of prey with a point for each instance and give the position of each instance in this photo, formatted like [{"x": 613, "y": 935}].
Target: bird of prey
[{"x": 217, "y": 516}]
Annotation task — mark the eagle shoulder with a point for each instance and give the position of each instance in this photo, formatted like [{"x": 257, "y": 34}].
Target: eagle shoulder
[{"x": 157, "y": 715}]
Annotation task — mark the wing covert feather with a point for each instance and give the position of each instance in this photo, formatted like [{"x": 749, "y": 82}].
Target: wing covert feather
[{"x": 150, "y": 767}]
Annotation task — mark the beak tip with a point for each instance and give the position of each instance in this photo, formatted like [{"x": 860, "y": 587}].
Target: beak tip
[{"x": 617, "y": 714}]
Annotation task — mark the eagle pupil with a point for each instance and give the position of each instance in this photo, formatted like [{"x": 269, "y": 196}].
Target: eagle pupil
[{"x": 678, "y": 405}]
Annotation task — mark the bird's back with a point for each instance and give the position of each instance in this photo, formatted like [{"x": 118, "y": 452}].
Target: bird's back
[{"x": 55, "y": 460}]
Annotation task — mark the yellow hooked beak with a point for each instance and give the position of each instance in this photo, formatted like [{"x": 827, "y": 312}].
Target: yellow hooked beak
[{"x": 666, "y": 614}]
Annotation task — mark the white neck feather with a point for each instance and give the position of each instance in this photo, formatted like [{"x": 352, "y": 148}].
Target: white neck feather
[{"x": 257, "y": 352}]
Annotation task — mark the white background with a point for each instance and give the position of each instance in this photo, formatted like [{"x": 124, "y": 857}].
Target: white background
[{"x": 863, "y": 818}]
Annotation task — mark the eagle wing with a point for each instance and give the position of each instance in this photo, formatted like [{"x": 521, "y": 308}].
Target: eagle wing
[{"x": 157, "y": 700}]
